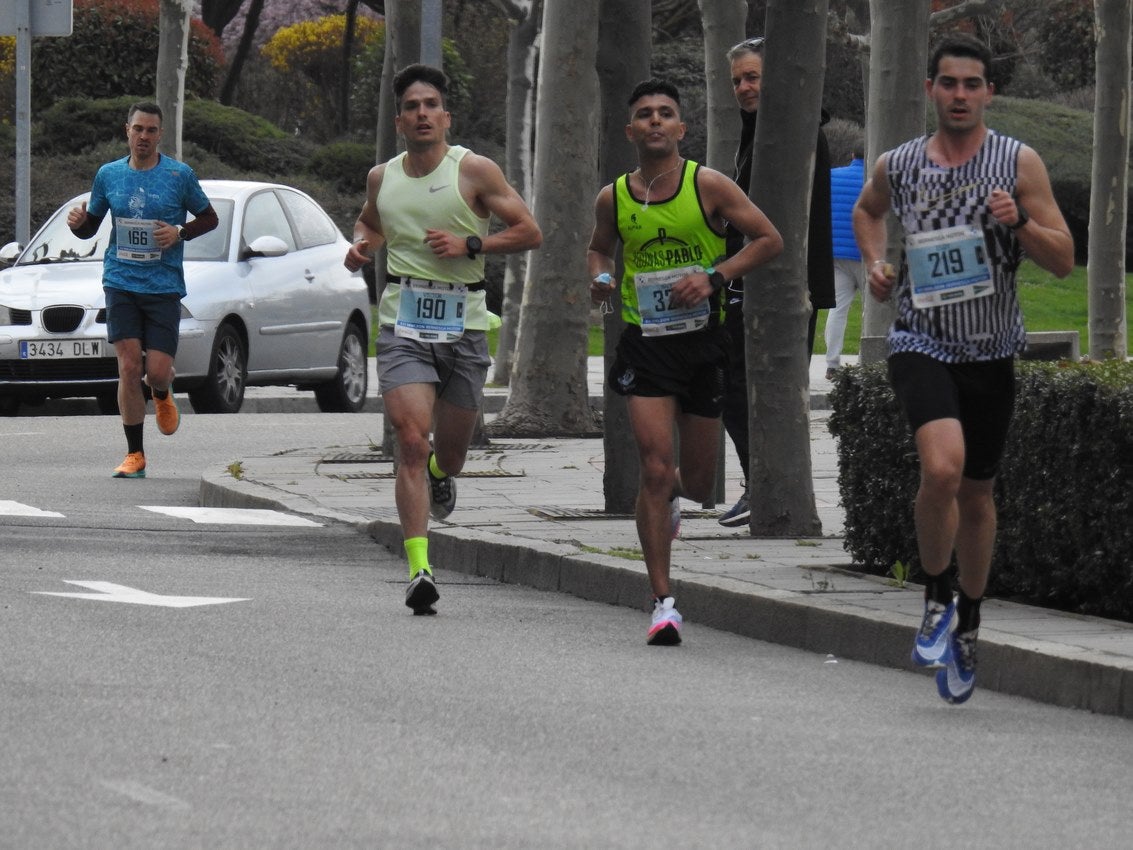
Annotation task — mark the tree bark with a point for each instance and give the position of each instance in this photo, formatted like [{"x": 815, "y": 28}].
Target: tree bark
[
  {"x": 1110, "y": 182},
  {"x": 549, "y": 393},
  {"x": 624, "y": 56},
  {"x": 247, "y": 37},
  {"x": 522, "y": 54},
  {"x": 776, "y": 301},
  {"x": 723, "y": 25},
  {"x": 897, "y": 69},
  {"x": 172, "y": 64}
]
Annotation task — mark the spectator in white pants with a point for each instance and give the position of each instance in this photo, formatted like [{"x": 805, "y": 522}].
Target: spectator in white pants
[{"x": 849, "y": 274}]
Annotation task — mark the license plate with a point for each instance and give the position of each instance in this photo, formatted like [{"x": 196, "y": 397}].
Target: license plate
[{"x": 61, "y": 349}]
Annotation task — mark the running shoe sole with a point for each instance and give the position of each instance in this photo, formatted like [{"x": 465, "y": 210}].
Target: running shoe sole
[
  {"x": 666, "y": 635},
  {"x": 422, "y": 594}
]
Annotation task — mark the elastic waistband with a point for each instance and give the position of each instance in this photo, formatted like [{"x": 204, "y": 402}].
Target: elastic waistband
[{"x": 479, "y": 286}]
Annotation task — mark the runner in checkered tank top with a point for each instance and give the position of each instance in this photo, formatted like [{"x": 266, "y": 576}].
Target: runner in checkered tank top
[{"x": 972, "y": 204}]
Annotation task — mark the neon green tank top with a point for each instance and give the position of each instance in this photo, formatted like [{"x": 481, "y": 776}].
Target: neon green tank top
[
  {"x": 663, "y": 235},
  {"x": 407, "y": 207}
]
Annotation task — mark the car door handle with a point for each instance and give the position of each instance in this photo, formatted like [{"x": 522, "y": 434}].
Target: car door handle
[{"x": 307, "y": 273}]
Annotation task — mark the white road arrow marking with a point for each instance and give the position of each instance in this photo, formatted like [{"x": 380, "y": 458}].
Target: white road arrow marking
[
  {"x": 10, "y": 508},
  {"x": 107, "y": 592},
  {"x": 233, "y": 516}
]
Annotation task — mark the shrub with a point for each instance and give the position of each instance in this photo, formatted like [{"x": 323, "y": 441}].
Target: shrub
[
  {"x": 1064, "y": 489},
  {"x": 344, "y": 165},
  {"x": 113, "y": 50}
]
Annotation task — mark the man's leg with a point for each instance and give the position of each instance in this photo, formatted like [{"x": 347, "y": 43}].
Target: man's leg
[
  {"x": 410, "y": 411},
  {"x": 975, "y": 535},
  {"x": 454, "y": 429},
  {"x": 652, "y": 419},
  {"x": 835, "y": 333},
  {"x": 132, "y": 406},
  {"x": 697, "y": 471},
  {"x": 940, "y": 447}
]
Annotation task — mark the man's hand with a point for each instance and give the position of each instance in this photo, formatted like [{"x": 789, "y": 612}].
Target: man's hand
[
  {"x": 358, "y": 255},
  {"x": 77, "y": 216},
  {"x": 445, "y": 244},
  {"x": 881, "y": 279},
  {"x": 166, "y": 235}
]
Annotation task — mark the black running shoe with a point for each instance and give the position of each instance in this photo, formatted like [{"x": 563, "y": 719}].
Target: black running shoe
[
  {"x": 442, "y": 495},
  {"x": 422, "y": 593}
]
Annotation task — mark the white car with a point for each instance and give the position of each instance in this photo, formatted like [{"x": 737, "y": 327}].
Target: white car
[{"x": 269, "y": 303}]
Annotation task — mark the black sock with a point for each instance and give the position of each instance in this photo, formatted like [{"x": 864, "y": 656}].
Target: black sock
[
  {"x": 938, "y": 588},
  {"x": 967, "y": 613},
  {"x": 159, "y": 393},
  {"x": 133, "y": 437}
]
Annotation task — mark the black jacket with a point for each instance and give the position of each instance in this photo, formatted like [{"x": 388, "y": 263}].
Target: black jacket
[{"x": 820, "y": 238}]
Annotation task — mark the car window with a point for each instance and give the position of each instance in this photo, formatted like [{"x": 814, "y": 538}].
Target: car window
[
  {"x": 264, "y": 216},
  {"x": 55, "y": 243},
  {"x": 312, "y": 225},
  {"x": 214, "y": 244}
]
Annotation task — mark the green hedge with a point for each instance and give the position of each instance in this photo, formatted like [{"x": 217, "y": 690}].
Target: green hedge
[{"x": 1065, "y": 489}]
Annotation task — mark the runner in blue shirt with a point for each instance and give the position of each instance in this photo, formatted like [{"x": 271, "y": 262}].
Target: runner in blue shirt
[{"x": 148, "y": 195}]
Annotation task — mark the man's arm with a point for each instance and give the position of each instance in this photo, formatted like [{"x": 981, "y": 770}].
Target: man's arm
[
  {"x": 1045, "y": 236},
  {"x": 483, "y": 181},
  {"x": 368, "y": 236},
  {"x": 869, "y": 230},
  {"x": 724, "y": 201},
  {"x": 603, "y": 244}
]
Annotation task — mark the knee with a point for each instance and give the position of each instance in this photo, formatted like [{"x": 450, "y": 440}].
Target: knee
[
  {"x": 657, "y": 475},
  {"x": 941, "y": 477},
  {"x": 413, "y": 448}
]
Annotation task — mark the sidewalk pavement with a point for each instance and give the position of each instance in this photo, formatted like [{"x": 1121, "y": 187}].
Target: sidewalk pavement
[{"x": 529, "y": 511}]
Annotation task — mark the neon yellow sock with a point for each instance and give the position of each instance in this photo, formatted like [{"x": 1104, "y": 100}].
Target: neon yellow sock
[
  {"x": 435, "y": 470},
  {"x": 417, "y": 550}
]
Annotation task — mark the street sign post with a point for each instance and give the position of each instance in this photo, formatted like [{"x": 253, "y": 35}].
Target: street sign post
[{"x": 24, "y": 19}]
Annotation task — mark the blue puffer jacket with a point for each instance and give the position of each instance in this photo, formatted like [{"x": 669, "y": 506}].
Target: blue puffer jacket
[{"x": 845, "y": 186}]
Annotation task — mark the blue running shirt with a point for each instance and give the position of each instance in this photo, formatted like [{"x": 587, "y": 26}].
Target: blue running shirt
[{"x": 162, "y": 193}]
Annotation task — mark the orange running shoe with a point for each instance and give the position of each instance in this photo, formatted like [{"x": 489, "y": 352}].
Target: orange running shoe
[
  {"x": 167, "y": 414},
  {"x": 134, "y": 466}
]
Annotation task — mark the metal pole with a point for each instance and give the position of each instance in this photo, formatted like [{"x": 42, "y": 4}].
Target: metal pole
[
  {"x": 23, "y": 121},
  {"x": 431, "y": 33}
]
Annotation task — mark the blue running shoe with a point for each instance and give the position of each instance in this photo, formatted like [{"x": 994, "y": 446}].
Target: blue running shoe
[
  {"x": 932, "y": 639},
  {"x": 957, "y": 679}
]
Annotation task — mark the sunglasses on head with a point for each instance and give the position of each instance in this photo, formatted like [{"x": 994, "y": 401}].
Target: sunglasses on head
[{"x": 749, "y": 44}]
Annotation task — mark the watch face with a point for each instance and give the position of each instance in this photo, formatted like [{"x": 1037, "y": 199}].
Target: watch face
[{"x": 474, "y": 243}]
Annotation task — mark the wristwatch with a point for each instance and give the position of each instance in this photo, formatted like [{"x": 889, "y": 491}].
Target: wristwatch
[
  {"x": 181, "y": 234},
  {"x": 474, "y": 246},
  {"x": 1022, "y": 219},
  {"x": 715, "y": 278}
]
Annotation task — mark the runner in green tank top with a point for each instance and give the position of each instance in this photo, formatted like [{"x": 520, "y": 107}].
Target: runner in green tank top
[
  {"x": 430, "y": 206},
  {"x": 669, "y": 215}
]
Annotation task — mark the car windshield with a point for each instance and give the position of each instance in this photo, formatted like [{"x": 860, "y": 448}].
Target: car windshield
[{"x": 57, "y": 244}]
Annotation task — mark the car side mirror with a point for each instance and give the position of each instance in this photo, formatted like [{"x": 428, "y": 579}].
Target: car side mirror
[
  {"x": 9, "y": 253},
  {"x": 265, "y": 246}
]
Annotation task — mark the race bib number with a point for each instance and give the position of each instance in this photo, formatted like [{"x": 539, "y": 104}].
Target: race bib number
[
  {"x": 136, "y": 241},
  {"x": 948, "y": 266},
  {"x": 431, "y": 312},
  {"x": 654, "y": 303}
]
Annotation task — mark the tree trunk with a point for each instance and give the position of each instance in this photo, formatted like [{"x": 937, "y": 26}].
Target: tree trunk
[
  {"x": 172, "y": 63},
  {"x": 549, "y": 394},
  {"x": 232, "y": 78},
  {"x": 1110, "y": 182},
  {"x": 723, "y": 25},
  {"x": 776, "y": 301},
  {"x": 897, "y": 69},
  {"x": 521, "y": 63},
  {"x": 624, "y": 57}
]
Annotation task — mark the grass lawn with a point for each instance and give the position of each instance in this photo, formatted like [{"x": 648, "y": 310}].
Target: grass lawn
[{"x": 1049, "y": 304}]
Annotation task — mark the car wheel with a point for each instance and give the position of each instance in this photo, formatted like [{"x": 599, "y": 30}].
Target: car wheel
[
  {"x": 346, "y": 391},
  {"x": 9, "y": 405},
  {"x": 223, "y": 389},
  {"x": 107, "y": 403}
]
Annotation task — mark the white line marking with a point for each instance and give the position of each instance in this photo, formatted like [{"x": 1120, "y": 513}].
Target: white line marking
[
  {"x": 144, "y": 794},
  {"x": 107, "y": 592},
  {"x": 233, "y": 516},
  {"x": 10, "y": 508}
]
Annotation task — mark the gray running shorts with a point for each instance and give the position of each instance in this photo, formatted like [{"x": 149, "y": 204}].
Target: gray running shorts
[{"x": 459, "y": 369}]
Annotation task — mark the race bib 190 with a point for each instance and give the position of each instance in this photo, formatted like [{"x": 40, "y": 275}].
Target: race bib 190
[{"x": 429, "y": 311}]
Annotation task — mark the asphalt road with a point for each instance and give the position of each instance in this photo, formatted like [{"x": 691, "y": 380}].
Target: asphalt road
[{"x": 317, "y": 712}]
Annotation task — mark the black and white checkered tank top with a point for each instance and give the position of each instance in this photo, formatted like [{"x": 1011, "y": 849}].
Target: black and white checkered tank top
[{"x": 928, "y": 197}]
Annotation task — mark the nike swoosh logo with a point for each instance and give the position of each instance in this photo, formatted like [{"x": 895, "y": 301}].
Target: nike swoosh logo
[{"x": 437, "y": 188}]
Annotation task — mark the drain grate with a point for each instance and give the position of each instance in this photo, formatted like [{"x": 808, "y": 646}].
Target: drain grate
[
  {"x": 490, "y": 473},
  {"x": 357, "y": 457},
  {"x": 594, "y": 513}
]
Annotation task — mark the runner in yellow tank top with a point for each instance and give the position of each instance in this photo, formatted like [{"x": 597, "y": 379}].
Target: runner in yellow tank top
[
  {"x": 430, "y": 206},
  {"x": 669, "y": 216}
]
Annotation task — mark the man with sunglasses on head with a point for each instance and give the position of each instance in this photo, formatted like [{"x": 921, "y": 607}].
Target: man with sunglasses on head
[
  {"x": 431, "y": 207},
  {"x": 746, "y": 60},
  {"x": 971, "y": 203}
]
